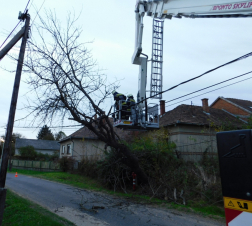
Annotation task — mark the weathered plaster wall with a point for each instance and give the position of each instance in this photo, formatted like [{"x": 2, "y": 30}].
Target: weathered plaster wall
[
  {"x": 192, "y": 141},
  {"x": 91, "y": 149}
]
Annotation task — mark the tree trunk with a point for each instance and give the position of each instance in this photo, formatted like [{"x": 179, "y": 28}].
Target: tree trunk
[{"x": 131, "y": 161}]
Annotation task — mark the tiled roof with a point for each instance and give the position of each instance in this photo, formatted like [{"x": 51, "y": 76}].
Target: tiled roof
[
  {"x": 187, "y": 114},
  {"x": 85, "y": 133},
  {"x": 37, "y": 144},
  {"x": 242, "y": 103}
]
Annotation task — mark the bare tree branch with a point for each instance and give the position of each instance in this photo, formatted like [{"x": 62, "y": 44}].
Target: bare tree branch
[{"x": 67, "y": 84}]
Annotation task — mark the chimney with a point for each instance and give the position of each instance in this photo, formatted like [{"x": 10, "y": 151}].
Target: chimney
[
  {"x": 205, "y": 105},
  {"x": 162, "y": 107}
]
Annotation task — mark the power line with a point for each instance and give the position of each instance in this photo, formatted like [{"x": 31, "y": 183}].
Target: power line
[
  {"x": 10, "y": 34},
  {"x": 209, "y": 86},
  {"x": 51, "y": 127},
  {"x": 207, "y": 72},
  {"x": 210, "y": 91},
  {"x": 26, "y": 6},
  {"x": 14, "y": 27},
  {"x": 37, "y": 12}
]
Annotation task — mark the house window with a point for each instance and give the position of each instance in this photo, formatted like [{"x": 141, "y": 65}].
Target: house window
[
  {"x": 69, "y": 149},
  {"x": 63, "y": 150}
]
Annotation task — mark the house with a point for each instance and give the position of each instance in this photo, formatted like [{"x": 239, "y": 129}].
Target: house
[
  {"x": 236, "y": 107},
  {"x": 85, "y": 144},
  {"x": 82, "y": 143},
  {"x": 40, "y": 146},
  {"x": 193, "y": 128}
]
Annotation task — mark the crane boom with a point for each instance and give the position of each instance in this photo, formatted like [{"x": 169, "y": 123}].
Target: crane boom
[{"x": 191, "y": 8}]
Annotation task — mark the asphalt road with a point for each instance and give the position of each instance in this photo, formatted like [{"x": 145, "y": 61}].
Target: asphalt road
[{"x": 58, "y": 198}]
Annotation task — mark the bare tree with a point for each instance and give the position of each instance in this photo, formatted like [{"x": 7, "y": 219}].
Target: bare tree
[
  {"x": 67, "y": 84},
  {"x": 59, "y": 135}
]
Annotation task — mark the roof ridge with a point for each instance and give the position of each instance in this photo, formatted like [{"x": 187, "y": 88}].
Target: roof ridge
[
  {"x": 236, "y": 99},
  {"x": 33, "y": 139}
]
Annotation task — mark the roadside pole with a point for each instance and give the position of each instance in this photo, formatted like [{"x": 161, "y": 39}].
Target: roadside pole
[
  {"x": 235, "y": 158},
  {"x": 7, "y": 144}
]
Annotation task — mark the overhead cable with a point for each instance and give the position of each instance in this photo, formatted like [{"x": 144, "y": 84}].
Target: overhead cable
[
  {"x": 209, "y": 91},
  {"x": 27, "y": 5},
  {"x": 52, "y": 127},
  {"x": 14, "y": 27},
  {"x": 207, "y": 72},
  {"x": 10, "y": 34},
  {"x": 37, "y": 12},
  {"x": 209, "y": 86}
]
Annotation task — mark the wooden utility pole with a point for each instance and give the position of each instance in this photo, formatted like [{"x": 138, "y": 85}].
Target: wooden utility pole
[{"x": 7, "y": 145}]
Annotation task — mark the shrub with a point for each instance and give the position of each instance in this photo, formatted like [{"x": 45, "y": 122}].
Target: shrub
[
  {"x": 154, "y": 154},
  {"x": 55, "y": 156},
  {"x": 28, "y": 153},
  {"x": 47, "y": 157},
  {"x": 40, "y": 157},
  {"x": 169, "y": 177},
  {"x": 66, "y": 163},
  {"x": 88, "y": 167}
]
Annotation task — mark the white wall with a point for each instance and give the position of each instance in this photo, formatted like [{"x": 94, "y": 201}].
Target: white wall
[{"x": 91, "y": 149}]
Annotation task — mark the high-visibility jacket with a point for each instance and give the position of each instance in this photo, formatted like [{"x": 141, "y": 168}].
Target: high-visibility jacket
[
  {"x": 130, "y": 103},
  {"x": 120, "y": 97}
]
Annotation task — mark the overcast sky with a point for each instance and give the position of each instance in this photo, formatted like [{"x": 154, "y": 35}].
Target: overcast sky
[{"x": 191, "y": 47}]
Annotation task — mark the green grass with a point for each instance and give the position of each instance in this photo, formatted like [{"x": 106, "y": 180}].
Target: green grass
[
  {"x": 91, "y": 184},
  {"x": 21, "y": 212}
]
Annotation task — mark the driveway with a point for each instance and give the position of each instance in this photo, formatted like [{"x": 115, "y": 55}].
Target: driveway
[{"x": 89, "y": 208}]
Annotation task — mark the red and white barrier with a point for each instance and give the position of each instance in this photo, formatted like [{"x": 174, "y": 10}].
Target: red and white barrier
[{"x": 238, "y": 212}]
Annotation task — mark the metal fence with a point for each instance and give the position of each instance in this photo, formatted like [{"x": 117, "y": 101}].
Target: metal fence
[{"x": 35, "y": 165}]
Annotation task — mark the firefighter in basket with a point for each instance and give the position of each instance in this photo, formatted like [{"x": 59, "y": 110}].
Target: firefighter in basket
[
  {"x": 120, "y": 106},
  {"x": 131, "y": 104}
]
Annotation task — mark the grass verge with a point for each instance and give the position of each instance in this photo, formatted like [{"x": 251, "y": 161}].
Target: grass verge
[
  {"x": 79, "y": 181},
  {"x": 21, "y": 212}
]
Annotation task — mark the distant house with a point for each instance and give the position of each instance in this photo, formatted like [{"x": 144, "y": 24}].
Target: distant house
[
  {"x": 236, "y": 107},
  {"x": 193, "y": 128},
  {"x": 40, "y": 146},
  {"x": 85, "y": 144}
]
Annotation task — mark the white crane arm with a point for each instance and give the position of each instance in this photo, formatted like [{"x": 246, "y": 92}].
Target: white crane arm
[
  {"x": 185, "y": 8},
  {"x": 196, "y": 8}
]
